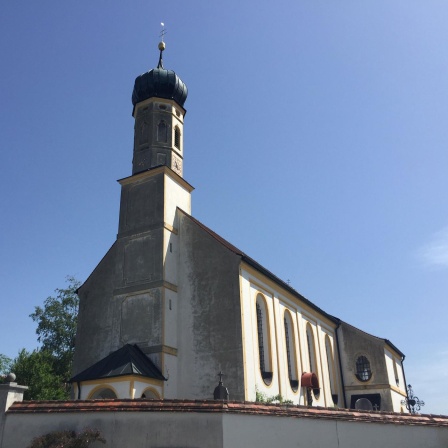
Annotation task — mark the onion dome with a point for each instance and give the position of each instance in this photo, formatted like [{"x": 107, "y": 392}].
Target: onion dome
[{"x": 160, "y": 83}]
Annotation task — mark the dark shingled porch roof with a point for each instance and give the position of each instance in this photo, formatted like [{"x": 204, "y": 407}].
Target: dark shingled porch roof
[{"x": 128, "y": 360}]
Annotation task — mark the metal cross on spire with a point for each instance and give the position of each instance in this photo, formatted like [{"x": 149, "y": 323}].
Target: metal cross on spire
[
  {"x": 163, "y": 32},
  {"x": 161, "y": 45}
]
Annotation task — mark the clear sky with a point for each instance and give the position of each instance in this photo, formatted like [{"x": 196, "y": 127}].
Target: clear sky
[{"x": 316, "y": 138}]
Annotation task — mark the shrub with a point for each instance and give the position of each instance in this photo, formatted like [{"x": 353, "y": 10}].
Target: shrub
[{"x": 67, "y": 439}]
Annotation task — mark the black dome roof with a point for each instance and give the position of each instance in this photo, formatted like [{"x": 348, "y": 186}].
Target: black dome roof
[{"x": 160, "y": 83}]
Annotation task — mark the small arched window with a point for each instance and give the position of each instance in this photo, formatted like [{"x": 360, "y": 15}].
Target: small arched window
[
  {"x": 150, "y": 393},
  {"x": 103, "y": 394},
  {"x": 141, "y": 128},
  {"x": 263, "y": 339},
  {"x": 177, "y": 137},
  {"x": 162, "y": 132},
  {"x": 331, "y": 369},
  {"x": 363, "y": 371}
]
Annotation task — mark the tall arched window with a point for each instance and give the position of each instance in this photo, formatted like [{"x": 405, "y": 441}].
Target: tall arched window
[
  {"x": 177, "y": 137},
  {"x": 290, "y": 351},
  {"x": 263, "y": 339},
  {"x": 331, "y": 369},
  {"x": 311, "y": 349},
  {"x": 162, "y": 132},
  {"x": 312, "y": 355}
]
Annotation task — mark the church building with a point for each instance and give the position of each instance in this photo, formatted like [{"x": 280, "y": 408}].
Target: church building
[{"x": 172, "y": 304}]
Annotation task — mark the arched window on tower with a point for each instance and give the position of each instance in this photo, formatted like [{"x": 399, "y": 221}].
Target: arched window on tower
[
  {"x": 162, "y": 132},
  {"x": 290, "y": 351},
  {"x": 177, "y": 137},
  {"x": 331, "y": 369},
  {"x": 263, "y": 339}
]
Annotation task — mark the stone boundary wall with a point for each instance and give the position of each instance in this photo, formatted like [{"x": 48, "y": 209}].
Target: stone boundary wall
[{"x": 187, "y": 423}]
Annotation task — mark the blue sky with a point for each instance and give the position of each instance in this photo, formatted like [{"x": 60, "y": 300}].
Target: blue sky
[{"x": 316, "y": 138}]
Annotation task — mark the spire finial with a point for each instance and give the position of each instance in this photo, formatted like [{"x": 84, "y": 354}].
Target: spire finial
[{"x": 161, "y": 45}]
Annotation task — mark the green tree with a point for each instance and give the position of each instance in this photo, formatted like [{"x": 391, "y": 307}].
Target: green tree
[
  {"x": 46, "y": 370},
  {"x": 56, "y": 326},
  {"x": 5, "y": 366},
  {"x": 36, "y": 370}
]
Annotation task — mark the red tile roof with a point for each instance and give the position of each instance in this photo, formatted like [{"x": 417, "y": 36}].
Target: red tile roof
[{"x": 233, "y": 407}]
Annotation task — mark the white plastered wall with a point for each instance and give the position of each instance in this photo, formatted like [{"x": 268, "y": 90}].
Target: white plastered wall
[
  {"x": 176, "y": 194},
  {"x": 253, "y": 283},
  {"x": 394, "y": 372},
  {"x": 122, "y": 387}
]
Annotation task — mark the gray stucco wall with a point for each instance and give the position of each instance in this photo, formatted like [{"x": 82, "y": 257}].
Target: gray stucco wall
[
  {"x": 93, "y": 340},
  {"x": 209, "y": 319},
  {"x": 267, "y": 432},
  {"x": 356, "y": 343},
  {"x": 221, "y": 430},
  {"x": 141, "y": 205},
  {"x": 121, "y": 430},
  {"x": 121, "y": 301}
]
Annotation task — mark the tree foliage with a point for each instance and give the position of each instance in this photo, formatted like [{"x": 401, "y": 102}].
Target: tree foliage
[
  {"x": 37, "y": 370},
  {"x": 5, "y": 365},
  {"x": 56, "y": 326},
  {"x": 46, "y": 371},
  {"x": 68, "y": 439}
]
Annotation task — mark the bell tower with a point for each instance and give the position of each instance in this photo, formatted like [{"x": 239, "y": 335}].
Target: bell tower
[
  {"x": 132, "y": 295},
  {"x": 158, "y": 99}
]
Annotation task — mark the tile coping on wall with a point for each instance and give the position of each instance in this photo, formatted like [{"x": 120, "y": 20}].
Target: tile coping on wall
[{"x": 232, "y": 407}]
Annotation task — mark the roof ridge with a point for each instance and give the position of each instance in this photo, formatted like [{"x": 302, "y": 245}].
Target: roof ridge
[
  {"x": 258, "y": 266},
  {"x": 376, "y": 337},
  {"x": 285, "y": 285}
]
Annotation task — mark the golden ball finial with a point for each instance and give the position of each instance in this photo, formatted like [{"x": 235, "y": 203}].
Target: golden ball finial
[{"x": 162, "y": 46}]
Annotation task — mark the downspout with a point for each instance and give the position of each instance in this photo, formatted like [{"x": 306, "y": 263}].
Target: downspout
[
  {"x": 404, "y": 379},
  {"x": 340, "y": 365},
  {"x": 79, "y": 390}
]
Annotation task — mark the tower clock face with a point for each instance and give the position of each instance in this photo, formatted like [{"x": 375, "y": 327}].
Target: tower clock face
[{"x": 176, "y": 165}]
